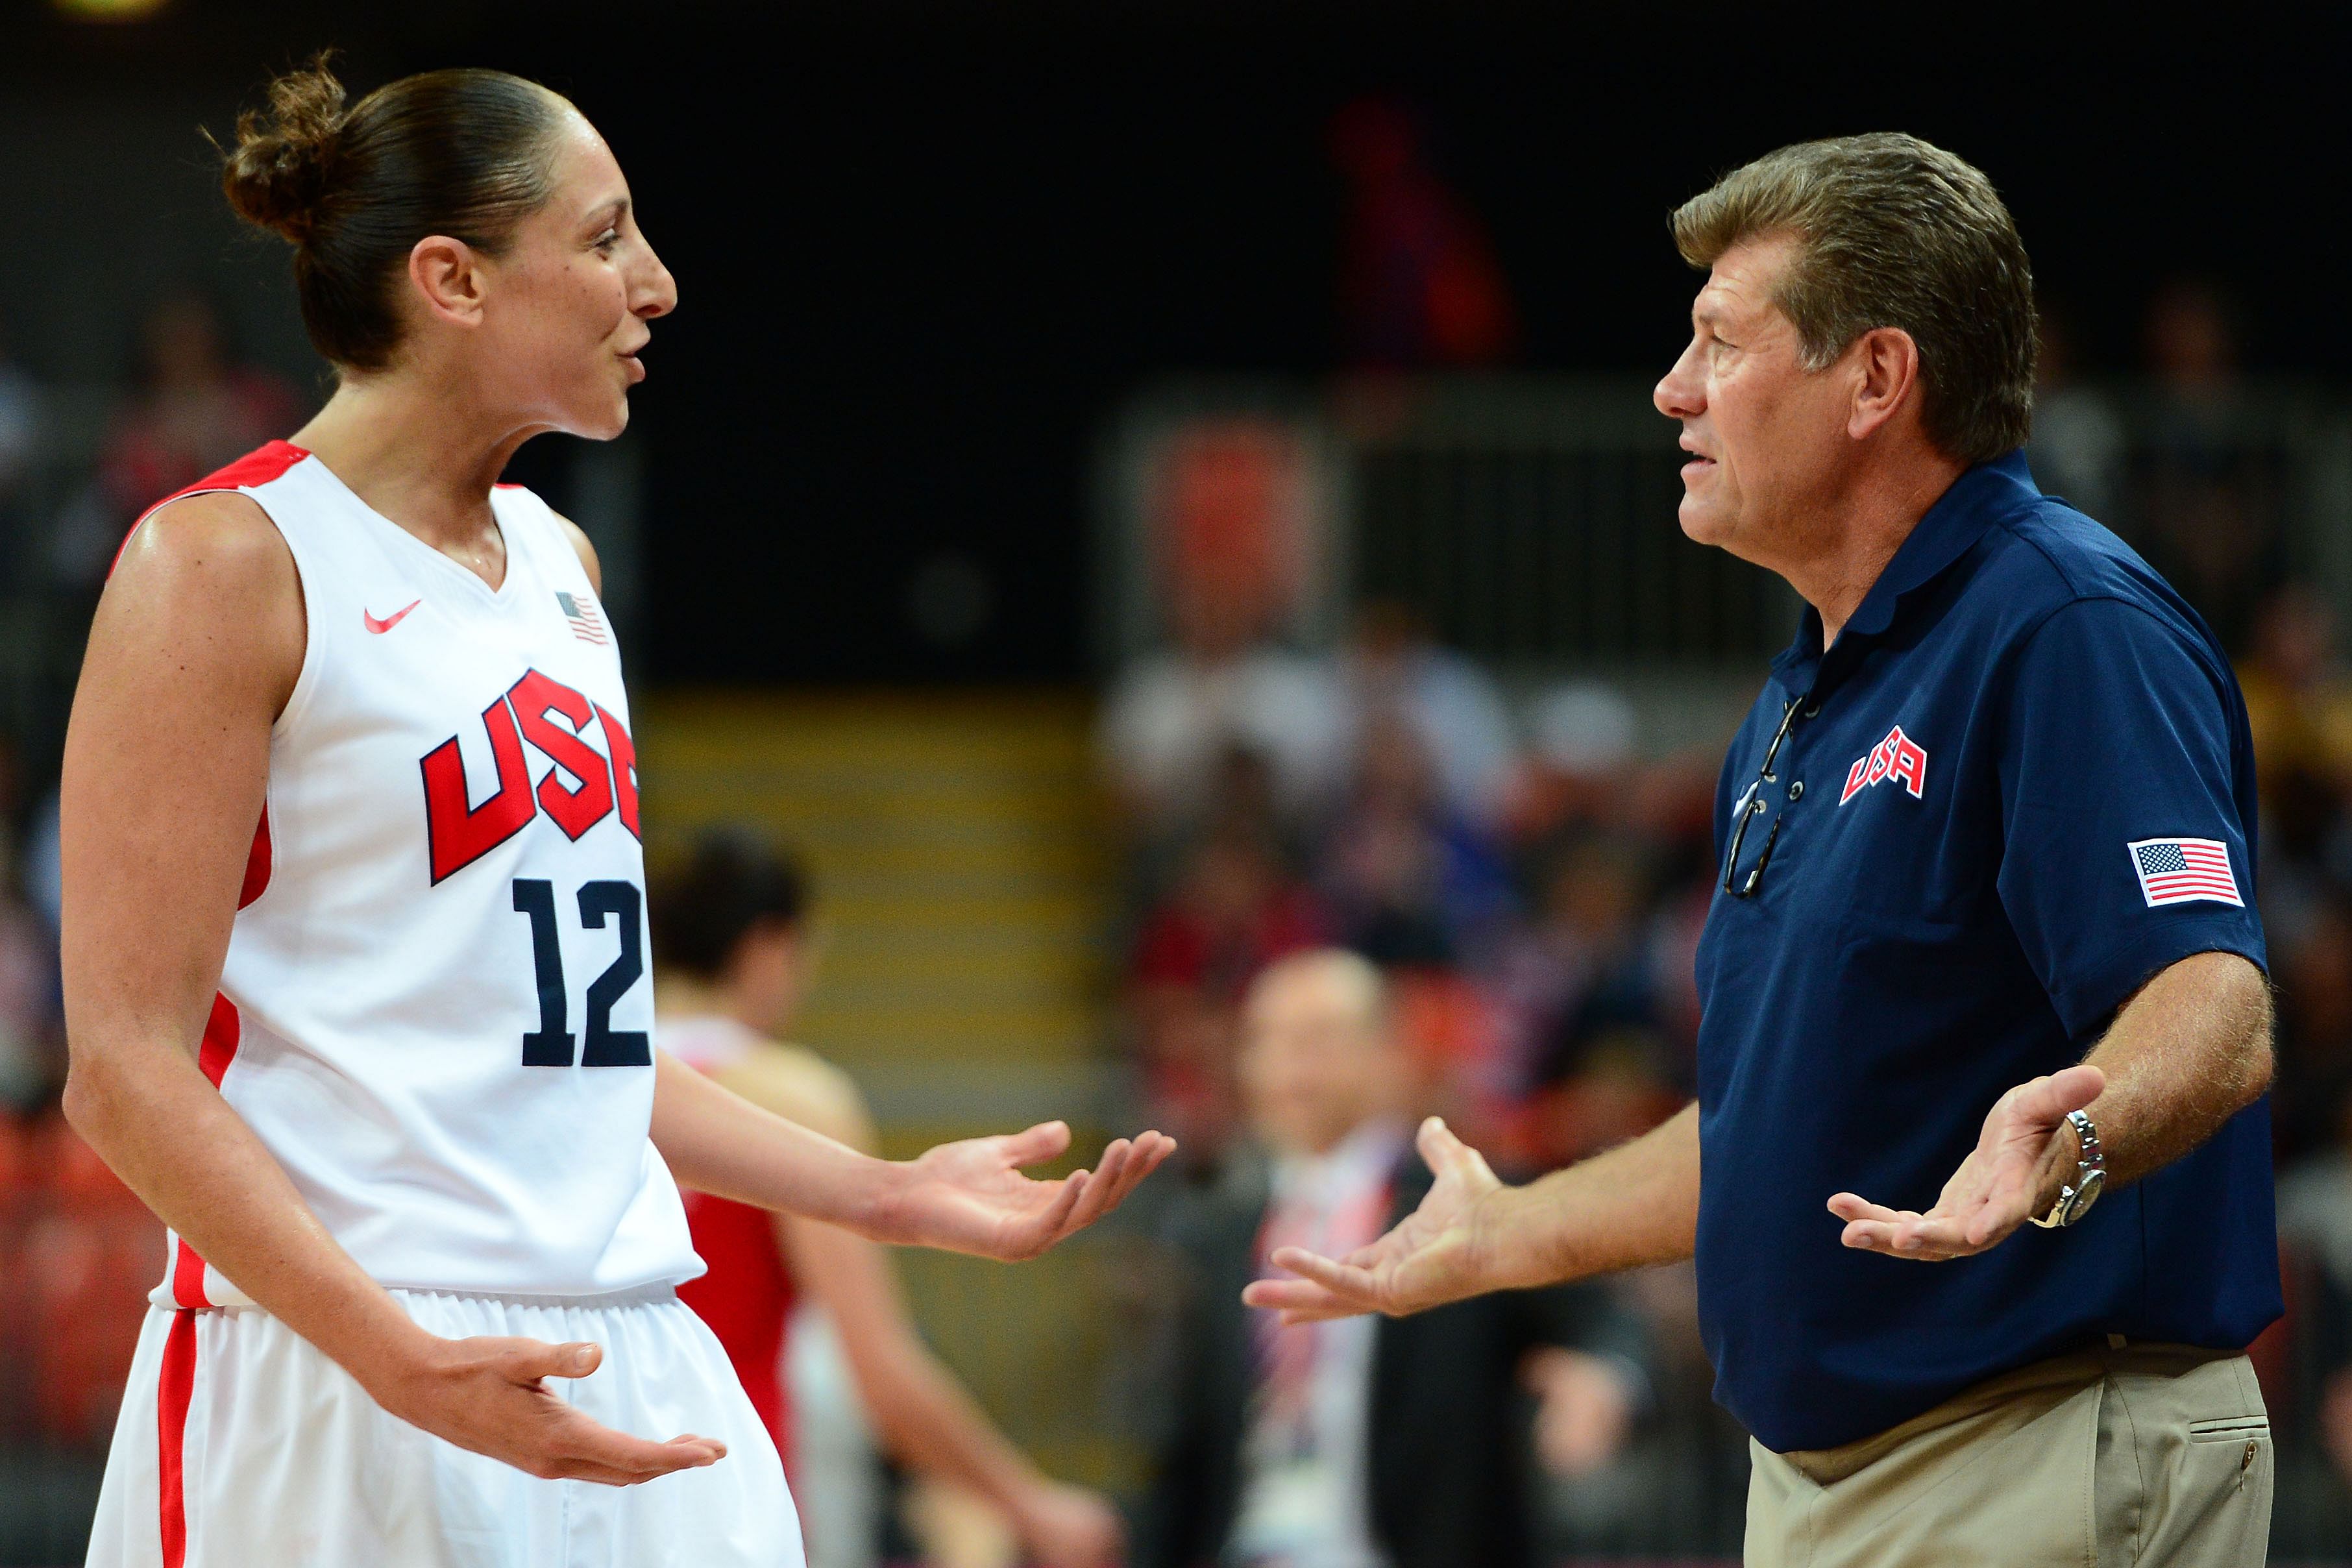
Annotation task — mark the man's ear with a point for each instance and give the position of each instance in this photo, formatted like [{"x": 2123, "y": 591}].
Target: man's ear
[
  {"x": 1888, "y": 363},
  {"x": 448, "y": 276}
]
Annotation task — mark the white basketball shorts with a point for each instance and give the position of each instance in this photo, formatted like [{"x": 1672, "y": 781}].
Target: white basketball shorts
[{"x": 241, "y": 1444}]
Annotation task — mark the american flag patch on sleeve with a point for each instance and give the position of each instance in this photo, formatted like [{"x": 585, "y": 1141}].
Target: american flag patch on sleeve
[{"x": 2181, "y": 871}]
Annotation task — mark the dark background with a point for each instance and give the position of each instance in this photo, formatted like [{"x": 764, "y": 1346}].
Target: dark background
[{"x": 926, "y": 250}]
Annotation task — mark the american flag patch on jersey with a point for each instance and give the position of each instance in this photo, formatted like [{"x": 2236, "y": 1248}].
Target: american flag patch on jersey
[
  {"x": 582, "y": 613},
  {"x": 2179, "y": 870}
]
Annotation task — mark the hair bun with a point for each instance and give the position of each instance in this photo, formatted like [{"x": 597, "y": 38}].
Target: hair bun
[{"x": 277, "y": 174}]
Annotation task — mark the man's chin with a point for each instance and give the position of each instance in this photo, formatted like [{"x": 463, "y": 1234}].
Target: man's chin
[{"x": 1701, "y": 523}]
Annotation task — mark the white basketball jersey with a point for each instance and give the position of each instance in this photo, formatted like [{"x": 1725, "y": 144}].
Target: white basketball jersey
[{"x": 435, "y": 1011}]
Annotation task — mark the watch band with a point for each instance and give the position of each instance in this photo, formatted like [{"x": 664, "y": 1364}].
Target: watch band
[{"x": 2074, "y": 1199}]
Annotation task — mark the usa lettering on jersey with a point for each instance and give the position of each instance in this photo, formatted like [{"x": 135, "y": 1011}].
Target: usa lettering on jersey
[{"x": 461, "y": 832}]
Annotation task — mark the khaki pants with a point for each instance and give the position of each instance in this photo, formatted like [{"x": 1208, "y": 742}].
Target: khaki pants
[{"x": 2134, "y": 1457}]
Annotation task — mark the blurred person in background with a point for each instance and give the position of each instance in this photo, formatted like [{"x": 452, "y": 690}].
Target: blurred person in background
[
  {"x": 1585, "y": 985},
  {"x": 2078, "y": 449},
  {"x": 1173, "y": 716},
  {"x": 195, "y": 409},
  {"x": 1582, "y": 757},
  {"x": 1367, "y": 1442},
  {"x": 21, "y": 410},
  {"x": 1419, "y": 288},
  {"x": 732, "y": 959},
  {"x": 30, "y": 1056},
  {"x": 2209, "y": 487},
  {"x": 1410, "y": 878},
  {"x": 1393, "y": 668},
  {"x": 1232, "y": 906}
]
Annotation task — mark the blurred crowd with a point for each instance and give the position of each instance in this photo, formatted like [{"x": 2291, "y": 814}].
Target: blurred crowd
[{"x": 78, "y": 1251}]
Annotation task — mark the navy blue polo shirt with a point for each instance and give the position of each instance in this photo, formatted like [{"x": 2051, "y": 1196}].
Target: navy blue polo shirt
[{"x": 2018, "y": 785}]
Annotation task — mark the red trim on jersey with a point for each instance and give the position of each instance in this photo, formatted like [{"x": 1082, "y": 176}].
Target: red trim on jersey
[
  {"x": 256, "y": 864},
  {"x": 503, "y": 486},
  {"x": 222, "y": 1032},
  {"x": 176, "y": 1390},
  {"x": 259, "y": 467}
]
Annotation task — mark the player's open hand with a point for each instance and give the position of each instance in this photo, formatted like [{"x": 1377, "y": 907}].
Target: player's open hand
[
  {"x": 971, "y": 1196},
  {"x": 2012, "y": 1174},
  {"x": 1440, "y": 1252},
  {"x": 490, "y": 1395},
  {"x": 1069, "y": 1527}
]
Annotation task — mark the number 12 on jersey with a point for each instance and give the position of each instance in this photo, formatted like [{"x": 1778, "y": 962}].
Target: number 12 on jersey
[{"x": 550, "y": 1045}]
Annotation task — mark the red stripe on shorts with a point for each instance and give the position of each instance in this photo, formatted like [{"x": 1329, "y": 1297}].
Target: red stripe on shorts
[
  {"x": 177, "y": 1387},
  {"x": 222, "y": 1032}
]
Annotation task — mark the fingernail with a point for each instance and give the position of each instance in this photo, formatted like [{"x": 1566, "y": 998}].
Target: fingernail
[{"x": 582, "y": 1358}]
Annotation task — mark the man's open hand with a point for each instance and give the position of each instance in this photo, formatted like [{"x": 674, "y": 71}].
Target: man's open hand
[
  {"x": 2012, "y": 1174},
  {"x": 1440, "y": 1252}
]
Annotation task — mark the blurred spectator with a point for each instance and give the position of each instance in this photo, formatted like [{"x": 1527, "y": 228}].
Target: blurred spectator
[
  {"x": 1173, "y": 718},
  {"x": 1581, "y": 749},
  {"x": 1393, "y": 666},
  {"x": 194, "y": 410},
  {"x": 1419, "y": 288},
  {"x": 2298, "y": 697},
  {"x": 2210, "y": 489},
  {"x": 20, "y": 429},
  {"x": 2078, "y": 447},
  {"x": 30, "y": 1026},
  {"x": 1360, "y": 1443},
  {"x": 733, "y": 955},
  {"x": 42, "y": 879},
  {"x": 1410, "y": 878},
  {"x": 1234, "y": 908}
]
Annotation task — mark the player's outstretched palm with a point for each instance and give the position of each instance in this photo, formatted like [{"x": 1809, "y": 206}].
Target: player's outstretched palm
[
  {"x": 490, "y": 1395},
  {"x": 971, "y": 1196},
  {"x": 1439, "y": 1253},
  {"x": 1996, "y": 1187}
]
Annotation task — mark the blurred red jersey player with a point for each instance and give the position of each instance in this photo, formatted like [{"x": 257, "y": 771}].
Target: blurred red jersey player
[{"x": 733, "y": 962}]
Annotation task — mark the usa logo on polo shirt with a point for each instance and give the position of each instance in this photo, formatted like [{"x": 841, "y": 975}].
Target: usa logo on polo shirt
[{"x": 1896, "y": 757}]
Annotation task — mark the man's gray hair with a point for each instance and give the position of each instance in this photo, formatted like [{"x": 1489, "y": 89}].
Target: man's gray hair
[{"x": 1892, "y": 232}]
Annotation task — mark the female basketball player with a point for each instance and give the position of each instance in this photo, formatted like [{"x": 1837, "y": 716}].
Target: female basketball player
[{"x": 354, "y": 949}]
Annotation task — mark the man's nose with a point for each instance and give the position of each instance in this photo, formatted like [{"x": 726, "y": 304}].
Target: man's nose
[{"x": 1679, "y": 393}]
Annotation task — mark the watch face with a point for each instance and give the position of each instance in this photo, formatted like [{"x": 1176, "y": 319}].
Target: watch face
[{"x": 2093, "y": 1182}]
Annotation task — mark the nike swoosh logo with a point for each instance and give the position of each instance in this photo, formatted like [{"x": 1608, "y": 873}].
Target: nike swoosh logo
[{"x": 386, "y": 625}]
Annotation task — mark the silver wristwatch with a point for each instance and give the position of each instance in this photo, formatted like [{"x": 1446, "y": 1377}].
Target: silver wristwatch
[{"x": 2075, "y": 1200}]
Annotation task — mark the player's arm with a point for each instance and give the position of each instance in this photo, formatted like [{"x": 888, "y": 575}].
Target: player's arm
[
  {"x": 969, "y": 1196},
  {"x": 1637, "y": 1203},
  {"x": 195, "y": 648},
  {"x": 924, "y": 1416}
]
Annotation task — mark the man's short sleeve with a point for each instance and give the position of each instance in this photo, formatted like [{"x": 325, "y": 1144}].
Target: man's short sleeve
[{"x": 2126, "y": 783}]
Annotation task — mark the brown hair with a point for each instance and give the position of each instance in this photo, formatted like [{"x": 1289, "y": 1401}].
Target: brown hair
[
  {"x": 465, "y": 154},
  {"x": 1892, "y": 232}
]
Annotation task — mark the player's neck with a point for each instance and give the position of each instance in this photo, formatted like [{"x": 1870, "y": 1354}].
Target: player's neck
[
  {"x": 684, "y": 996},
  {"x": 415, "y": 452}
]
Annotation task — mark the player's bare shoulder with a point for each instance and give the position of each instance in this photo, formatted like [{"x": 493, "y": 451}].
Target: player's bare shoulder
[
  {"x": 577, "y": 537},
  {"x": 208, "y": 582}
]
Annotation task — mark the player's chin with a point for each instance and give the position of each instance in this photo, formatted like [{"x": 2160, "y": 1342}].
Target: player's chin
[{"x": 599, "y": 419}]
